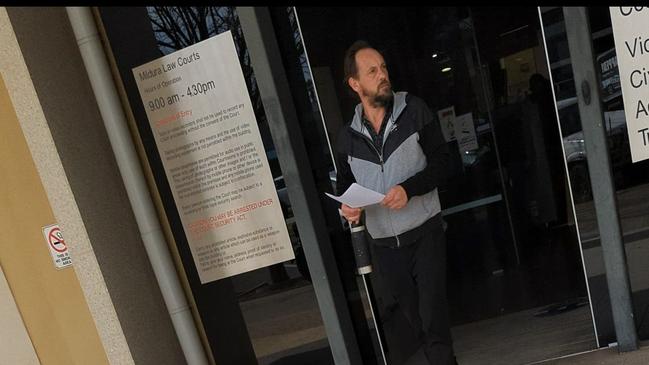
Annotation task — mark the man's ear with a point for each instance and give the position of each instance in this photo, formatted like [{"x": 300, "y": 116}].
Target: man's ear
[{"x": 353, "y": 83}]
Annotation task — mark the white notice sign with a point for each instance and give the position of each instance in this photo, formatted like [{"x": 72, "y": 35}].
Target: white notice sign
[
  {"x": 56, "y": 244},
  {"x": 465, "y": 133},
  {"x": 631, "y": 36},
  {"x": 446, "y": 118},
  {"x": 206, "y": 132}
]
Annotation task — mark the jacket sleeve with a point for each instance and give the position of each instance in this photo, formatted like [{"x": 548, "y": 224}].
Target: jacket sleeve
[
  {"x": 344, "y": 175},
  {"x": 436, "y": 151}
]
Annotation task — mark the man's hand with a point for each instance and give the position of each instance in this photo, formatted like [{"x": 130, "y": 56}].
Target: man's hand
[
  {"x": 396, "y": 198},
  {"x": 353, "y": 215}
]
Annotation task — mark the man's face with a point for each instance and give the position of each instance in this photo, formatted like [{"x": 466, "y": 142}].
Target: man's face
[{"x": 372, "y": 82}]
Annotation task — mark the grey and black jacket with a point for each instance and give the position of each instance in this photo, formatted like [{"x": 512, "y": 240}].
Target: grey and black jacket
[{"x": 414, "y": 155}]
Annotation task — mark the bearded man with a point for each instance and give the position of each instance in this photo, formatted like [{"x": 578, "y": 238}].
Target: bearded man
[{"x": 394, "y": 145}]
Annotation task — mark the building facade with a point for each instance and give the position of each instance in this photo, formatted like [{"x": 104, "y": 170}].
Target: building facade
[{"x": 534, "y": 265}]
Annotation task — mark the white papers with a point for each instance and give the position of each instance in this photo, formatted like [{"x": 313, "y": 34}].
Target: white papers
[{"x": 357, "y": 196}]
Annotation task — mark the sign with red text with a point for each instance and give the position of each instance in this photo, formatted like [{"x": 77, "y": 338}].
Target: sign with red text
[
  {"x": 206, "y": 132},
  {"x": 629, "y": 24},
  {"x": 57, "y": 247}
]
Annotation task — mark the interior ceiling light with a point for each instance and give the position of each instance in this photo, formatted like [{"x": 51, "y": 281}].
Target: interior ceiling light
[
  {"x": 434, "y": 55},
  {"x": 446, "y": 69}
]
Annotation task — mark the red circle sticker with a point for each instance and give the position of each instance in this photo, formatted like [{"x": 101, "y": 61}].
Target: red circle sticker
[{"x": 55, "y": 239}]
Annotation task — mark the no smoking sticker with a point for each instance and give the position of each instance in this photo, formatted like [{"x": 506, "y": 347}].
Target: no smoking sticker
[{"x": 56, "y": 244}]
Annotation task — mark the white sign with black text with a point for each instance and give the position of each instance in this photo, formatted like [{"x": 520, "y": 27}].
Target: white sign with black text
[
  {"x": 465, "y": 133},
  {"x": 631, "y": 36},
  {"x": 446, "y": 118},
  {"x": 206, "y": 132},
  {"x": 57, "y": 246}
]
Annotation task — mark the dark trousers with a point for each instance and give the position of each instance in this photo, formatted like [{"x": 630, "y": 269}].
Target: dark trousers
[{"x": 413, "y": 277}]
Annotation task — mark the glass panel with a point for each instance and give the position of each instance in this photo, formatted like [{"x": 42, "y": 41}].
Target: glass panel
[
  {"x": 277, "y": 303},
  {"x": 512, "y": 252},
  {"x": 631, "y": 180},
  {"x": 302, "y": 80},
  {"x": 547, "y": 285}
]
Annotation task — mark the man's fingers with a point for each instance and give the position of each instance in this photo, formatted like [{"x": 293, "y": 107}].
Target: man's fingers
[
  {"x": 354, "y": 220},
  {"x": 394, "y": 203},
  {"x": 352, "y": 215},
  {"x": 394, "y": 198},
  {"x": 389, "y": 197},
  {"x": 348, "y": 211}
]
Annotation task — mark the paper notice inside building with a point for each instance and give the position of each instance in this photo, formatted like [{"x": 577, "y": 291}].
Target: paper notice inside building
[
  {"x": 465, "y": 133},
  {"x": 446, "y": 118}
]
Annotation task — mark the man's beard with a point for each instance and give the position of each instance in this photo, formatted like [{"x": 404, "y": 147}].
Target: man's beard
[{"x": 380, "y": 99}]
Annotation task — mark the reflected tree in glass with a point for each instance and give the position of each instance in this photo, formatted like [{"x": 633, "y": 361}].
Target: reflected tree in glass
[{"x": 177, "y": 27}]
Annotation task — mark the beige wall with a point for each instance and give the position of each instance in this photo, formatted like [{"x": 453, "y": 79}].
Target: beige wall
[
  {"x": 38, "y": 194},
  {"x": 15, "y": 344},
  {"x": 87, "y": 194},
  {"x": 52, "y": 304}
]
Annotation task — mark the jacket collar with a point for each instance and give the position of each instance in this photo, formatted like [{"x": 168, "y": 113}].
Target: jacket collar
[{"x": 399, "y": 104}]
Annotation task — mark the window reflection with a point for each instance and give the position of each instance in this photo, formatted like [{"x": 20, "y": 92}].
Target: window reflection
[{"x": 631, "y": 180}]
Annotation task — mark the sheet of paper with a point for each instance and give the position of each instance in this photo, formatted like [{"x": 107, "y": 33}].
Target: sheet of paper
[{"x": 358, "y": 196}]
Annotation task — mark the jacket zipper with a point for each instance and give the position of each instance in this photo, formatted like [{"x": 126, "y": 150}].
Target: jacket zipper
[
  {"x": 394, "y": 126},
  {"x": 380, "y": 154}
]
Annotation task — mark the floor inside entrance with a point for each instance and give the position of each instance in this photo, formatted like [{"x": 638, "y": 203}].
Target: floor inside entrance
[
  {"x": 286, "y": 328},
  {"x": 497, "y": 314},
  {"x": 522, "y": 337}
]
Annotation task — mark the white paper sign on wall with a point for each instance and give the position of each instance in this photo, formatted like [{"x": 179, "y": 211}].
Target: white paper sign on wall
[
  {"x": 631, "y": 36},
  {"x": 206, "y": 133}
]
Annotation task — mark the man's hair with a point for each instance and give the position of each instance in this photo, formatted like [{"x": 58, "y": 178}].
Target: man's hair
[{"x": 349, "y": 67}]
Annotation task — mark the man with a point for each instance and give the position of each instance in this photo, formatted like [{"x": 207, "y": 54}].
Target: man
[{"x": 394, "y": 146}]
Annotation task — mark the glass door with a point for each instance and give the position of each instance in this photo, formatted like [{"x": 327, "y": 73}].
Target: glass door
[
  {"x": 513, "y": 259},
  {"x": 630, "y": 179},
  {"x": 263, "y": 316}
]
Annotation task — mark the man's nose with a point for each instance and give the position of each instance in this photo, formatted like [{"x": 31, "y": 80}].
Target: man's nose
[{"x": 383, "y": 75}]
